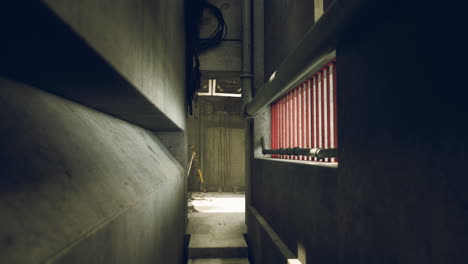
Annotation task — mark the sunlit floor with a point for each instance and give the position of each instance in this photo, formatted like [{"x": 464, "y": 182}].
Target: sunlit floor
[
  {"x": 216, "y": 202},
  {"x": 216, "y": 227}
]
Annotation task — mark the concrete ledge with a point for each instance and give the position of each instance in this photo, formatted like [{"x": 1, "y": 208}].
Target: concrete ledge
[
  {"x": 273, "y": 236},
  {"x": 39, "y": 49},
  {"x": 219, "y": 261},
  {"x": 217, "y": 246}
]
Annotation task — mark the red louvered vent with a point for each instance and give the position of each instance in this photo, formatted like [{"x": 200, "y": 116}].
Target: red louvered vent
[{"x": 306, "y": 116}]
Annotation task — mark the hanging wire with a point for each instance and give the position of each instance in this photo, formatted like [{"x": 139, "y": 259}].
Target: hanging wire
[{"x": 196, "y": 45}]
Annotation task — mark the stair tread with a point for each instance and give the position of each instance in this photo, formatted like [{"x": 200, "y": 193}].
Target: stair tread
[
  {"x": 219, "y": 261},
  {"x": 217, "y": 241}
]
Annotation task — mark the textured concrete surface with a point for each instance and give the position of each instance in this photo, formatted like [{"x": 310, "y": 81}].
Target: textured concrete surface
[
  {"x": 152, "y": 35},
  {"x": 298, "y": 200},
  {"x": 398, "y": 193},
  {"x": 285, "y": 25},
  {"x": 78, "y": 186},
  {"x": 225, "y": 57},
  {"x": 206, "y": 223},
  {"x": 131, "y": 67},
  {"x": 402, "y": 132},
  {"x": 218, "y": 133},
  {"x": 231, "y": 10}
]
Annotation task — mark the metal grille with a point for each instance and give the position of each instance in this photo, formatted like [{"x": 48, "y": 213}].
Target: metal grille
[{"x": 306, "y": 116}]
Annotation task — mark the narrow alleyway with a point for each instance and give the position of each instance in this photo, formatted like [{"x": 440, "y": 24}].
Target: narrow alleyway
[{"x": 217, "y": 228}]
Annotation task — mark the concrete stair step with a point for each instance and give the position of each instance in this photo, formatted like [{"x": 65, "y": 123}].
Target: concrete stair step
[
  {"x": 212, "y": 246},
  {"x": 219, "y": 261}
]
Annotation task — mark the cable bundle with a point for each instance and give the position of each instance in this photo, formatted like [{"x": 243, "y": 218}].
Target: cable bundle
[{"x": 195, "y": 45}]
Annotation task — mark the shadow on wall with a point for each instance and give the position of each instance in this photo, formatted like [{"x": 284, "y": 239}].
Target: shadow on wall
[
  {"x": 39, "y": 49},
  {"x": 218, "y": 133}
]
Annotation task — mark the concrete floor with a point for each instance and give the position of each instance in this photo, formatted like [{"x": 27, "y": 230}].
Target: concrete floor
[{"x": 216, "y": 227}]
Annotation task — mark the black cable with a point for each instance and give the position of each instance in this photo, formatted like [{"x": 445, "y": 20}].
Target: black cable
[
  {"x": 218, "y": 34},
  {"x": 195, "y": 45}
]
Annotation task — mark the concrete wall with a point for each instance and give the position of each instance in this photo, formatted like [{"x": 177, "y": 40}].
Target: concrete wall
[
  {"x": 398, "y": 193},
  {"x": 124, "y": 58},
  {"x": 143, "y": 40},
  {"x": 296, "y": 199},
  {"x": 79, "y": 185},
  {"x": 403, "y": 139},
  {"x": 226, "y": 58},
  {"x": 218, "y": 133}
]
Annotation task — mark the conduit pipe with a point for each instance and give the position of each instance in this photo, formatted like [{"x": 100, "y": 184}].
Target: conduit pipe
[
  {"x": 246, "y": 67},
  {"x": 313, "y": 52}
]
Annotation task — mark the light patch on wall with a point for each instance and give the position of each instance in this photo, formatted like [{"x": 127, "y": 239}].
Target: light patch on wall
[
  {"x": 301, "y": 253},
  {"x": 294, "y": 261},
  {"x": 223, "y": 88}
]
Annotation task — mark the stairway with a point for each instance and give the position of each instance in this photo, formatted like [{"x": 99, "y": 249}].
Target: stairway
[{"x": 216, "y": 237}]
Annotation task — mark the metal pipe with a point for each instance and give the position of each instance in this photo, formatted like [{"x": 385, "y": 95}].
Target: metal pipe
[
  {"x": 314, "y": 51},
  {"x": 246, "y": 67},
  {"x": 319, "y": 153}
]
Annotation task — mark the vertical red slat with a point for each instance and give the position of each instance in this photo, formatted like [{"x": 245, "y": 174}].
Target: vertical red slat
[
  {"x": 280, "y": 128},
  {"x": 335, "y": 108},
  {"x": 299, "y": 119},
  {"x": 273, "y": 124},
  {"x": 330, "y": 108},
  {"x": 278, "y": 116},
  {"x": 288, "y": 119},
  {"x": 276, "y": 127},
  {"x": 322, "y": 120},
  {"x": 291, "y": 122},
  {"x": 306, "y": 117},
  {"x": 272, "y": 115},
  {"x": 309, "y": 115},
  {"x": 319, "y": 110},
  {"x": 315, "y": 114},
  {"x": 283, "y": 131},
  {"x": 295, "y": 120},
  {"x": 325, "y": 110}
]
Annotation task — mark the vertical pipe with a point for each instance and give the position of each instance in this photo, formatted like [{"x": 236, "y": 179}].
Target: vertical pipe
[
  {"x": 246, "y": 67},
  {"x": 247, "y": 86}
]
